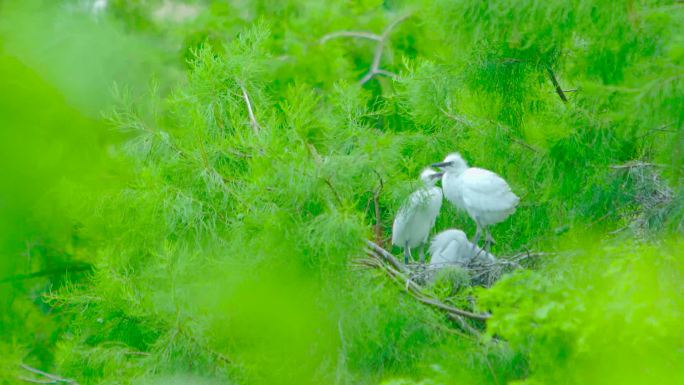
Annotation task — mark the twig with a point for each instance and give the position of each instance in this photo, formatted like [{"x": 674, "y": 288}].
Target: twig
[
  {"x": 413, "y": 288},
  {"x": 456, "y": 118},
  {"x": 379, "y": 47},
  {"x": 335, "y": 193},
  {"x": 662, "y": 128},
  {"x": 634, "y": 164},
  {"x": 53, "y": 378},
  {"x": 524, "y": 145},
  {"x": 255, "y": 125},
  {"x": 359, "y": 34},
  {"x": 621, "y": 229},
  {"x": 386, "y": 256},
  {"x": 559, "y": 90},
  {"x": 34, "y": 381},
  {"x": 451, "y": 309}
]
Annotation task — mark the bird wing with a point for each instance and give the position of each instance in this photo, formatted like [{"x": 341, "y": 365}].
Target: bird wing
[
  {"x": 423, "y": 200},
  {"x": 423, "y": 204},
  {"x": 486, "y": 191},
  {"x": 444, "y": 254}
]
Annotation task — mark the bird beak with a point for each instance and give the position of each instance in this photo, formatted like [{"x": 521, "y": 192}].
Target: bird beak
[
  {"x": 442, "y": 164},
  {"x": 437, "y": 175}
]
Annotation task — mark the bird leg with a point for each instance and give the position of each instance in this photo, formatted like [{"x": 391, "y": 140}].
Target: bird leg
[
  {"x": 421, "y": 252},
  {"x": 476, "y": 238},
  {"x": 489, "y": 240},
  {"x": 407, "y": 254}
]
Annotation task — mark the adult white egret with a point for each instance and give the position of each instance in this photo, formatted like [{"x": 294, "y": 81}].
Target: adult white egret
[
  {"x": 417, "y": 215},
  {"x": 451, "y": 247},
  {"x": 484, "y": 195}
]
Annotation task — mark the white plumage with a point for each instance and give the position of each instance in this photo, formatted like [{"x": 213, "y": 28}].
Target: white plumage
[
  {"x": 484, "y": 195},
  {"x": 451, "y": 247},
  {"x": 417, "y": 215}
]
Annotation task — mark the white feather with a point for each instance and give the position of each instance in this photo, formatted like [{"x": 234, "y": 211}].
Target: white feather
[
  {"x": 451, "y": 247},
  {"x": 484, "y": 195},
  {"x": 416, "y": 217}
]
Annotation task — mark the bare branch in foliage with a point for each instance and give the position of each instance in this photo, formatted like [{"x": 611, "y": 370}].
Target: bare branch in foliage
[
  {"x": 379, "y": 47},
  {"x": 359, "y": 34},
  {"x": 48, "y": 378},
  {"x": 255, "y": 125},
  {"x": 634, "y": 164},
  {"x": 559, "y": 89}
]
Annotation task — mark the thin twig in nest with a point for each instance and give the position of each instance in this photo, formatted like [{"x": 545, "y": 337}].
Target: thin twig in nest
[
  {"x": 386, "y": 262},
  {"x": 386, "y": 256},
  {"x": 379, "y": 47}
]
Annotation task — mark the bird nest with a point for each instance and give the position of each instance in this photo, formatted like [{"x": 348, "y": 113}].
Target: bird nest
[{"x": 414, "y": 279}]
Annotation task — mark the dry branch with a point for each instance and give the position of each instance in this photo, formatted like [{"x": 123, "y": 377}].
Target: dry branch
[
  {"x": 381, "y": 259},
  {"x": 404, "y": 277},
  {"x": 559, "y": 89},
  {"x": 359, "y": 34},
  {"x": 49, "y": 378},
  {"x": 386, "y": 256},
  {"x": 379, "y": 47},
  {"x": 252, "y": 119},
  {"x": 634, "y": 164}
]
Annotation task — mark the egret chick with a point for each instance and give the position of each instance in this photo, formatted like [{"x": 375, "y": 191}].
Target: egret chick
[
  {"x": 451, "y": 247},
  {"x": 417, "y": 215},
  {"x": 484, "y": 195}
]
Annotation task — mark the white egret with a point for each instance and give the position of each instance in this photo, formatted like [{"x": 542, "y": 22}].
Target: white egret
[
  {"x": 417, "y": 215},
  {"x": 451, "y": 247},
  {"x": 484, "y": 195}
]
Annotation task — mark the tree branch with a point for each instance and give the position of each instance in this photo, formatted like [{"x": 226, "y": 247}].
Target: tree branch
[
  {"x": 334, "y": 191},
  {"x": 559, "y": 89},
  {"x": 53, "y": 378},
  {"x": 359, "y": 34},
  {"x": 255, "y": 125},
  {"x": 396, "y": 270},
  {"x": 414, "y": 290},
  {"x": 386, "y": 256},
  {"x": 634, "y": 164},
  {"x": 377, "y": 52}
]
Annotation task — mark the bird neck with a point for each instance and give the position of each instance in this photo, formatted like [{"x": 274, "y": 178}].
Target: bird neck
[{"x": 455, "y": 172}]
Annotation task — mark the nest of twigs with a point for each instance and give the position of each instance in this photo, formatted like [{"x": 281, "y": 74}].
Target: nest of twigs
[{"x": 413, "y": 279}]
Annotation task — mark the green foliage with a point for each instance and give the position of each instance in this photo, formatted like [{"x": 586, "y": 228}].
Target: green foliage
[
  {"x": 607, "y": 315},
  {"x": 205, "y": 235},
  {"x": 447, "y": 282}
]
